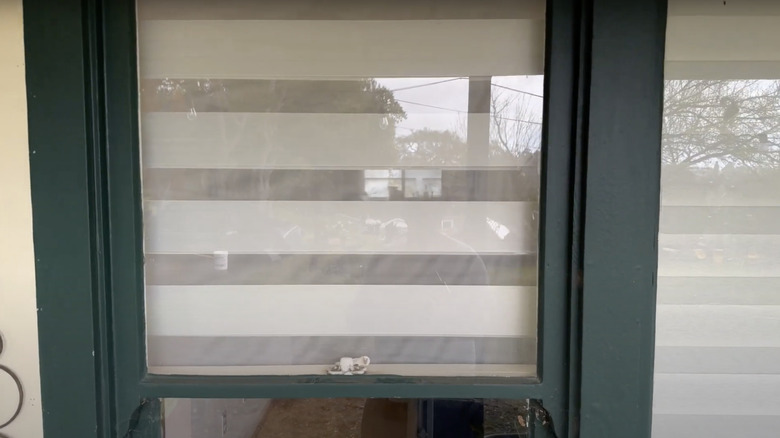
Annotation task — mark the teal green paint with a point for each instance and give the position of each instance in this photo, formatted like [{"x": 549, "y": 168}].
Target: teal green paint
[
  {"x": 108, "y": 137},
  {"x": 621, "y": 217},
  {"x": 559, "y": 213},
  {"x": 65, "y": 220},
  {"x": 125, "y": 237},
  {"x": 127, "y": 257},
  {"x": 83, "y": 115},
  {"x": 321, "y": 386},
  {"x": 126, "y": 253}
]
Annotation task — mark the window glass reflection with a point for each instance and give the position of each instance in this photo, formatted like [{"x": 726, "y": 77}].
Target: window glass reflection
[
  {"x": 718, "y": 314},
  {"x": 356, "y": 180}
]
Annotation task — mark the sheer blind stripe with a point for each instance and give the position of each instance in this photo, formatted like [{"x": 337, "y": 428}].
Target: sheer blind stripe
[
  {"x": 745, "y": 194},
  {"x": 258, "y": 140},
  {"x": 719, "y": 290},
  {"x": 498, "y": 185},
  {"x": 339, "y": 49},
  {"x": 366, "y": 269},
  {"x": 749, "y": 255},
  {"x": 721, "y": 220},
  {"x": 316, "y": 96}
]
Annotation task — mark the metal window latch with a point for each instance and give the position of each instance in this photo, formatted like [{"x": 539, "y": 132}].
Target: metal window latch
[{"x": 348, "y": 366}]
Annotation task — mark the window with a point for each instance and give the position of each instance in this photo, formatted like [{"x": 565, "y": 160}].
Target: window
[
  {"x": 346, "y": 182},
  {"x": 100, "y": 155},
  {"x": 718, "y": 326}
]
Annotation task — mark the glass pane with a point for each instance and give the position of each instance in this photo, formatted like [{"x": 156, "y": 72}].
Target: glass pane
[
  {"x": 344, "y": 418},
  {"x": 360, "y": 180},
  {"x": 718, "y": 316}
]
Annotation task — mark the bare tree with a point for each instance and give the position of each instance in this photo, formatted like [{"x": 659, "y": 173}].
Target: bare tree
[
  {"x": 515, "y": 133},
  {"x": 516, "y": 129},
  {"x": 721, "y": 122}
]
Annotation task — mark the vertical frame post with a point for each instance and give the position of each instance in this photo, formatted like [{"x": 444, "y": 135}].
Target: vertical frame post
[{"x": 621, "y": 217}]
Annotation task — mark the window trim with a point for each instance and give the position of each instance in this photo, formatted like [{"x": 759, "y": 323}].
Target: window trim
[
  {"x": 85, "y": 188},
  {"x": 622, "y": 205}
]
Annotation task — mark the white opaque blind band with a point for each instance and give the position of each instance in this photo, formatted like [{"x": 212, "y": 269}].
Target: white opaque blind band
[
  {"x": 356, "y": 179},
  {"x": 715, "y": 40},
  {"x": 328, "y": 49},
  {"x": 718, "y": 314}
]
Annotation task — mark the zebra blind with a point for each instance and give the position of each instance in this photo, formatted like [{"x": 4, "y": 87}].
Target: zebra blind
[
  {"x": 343, "y": 178},
  {"x": 717, "y": 369}
]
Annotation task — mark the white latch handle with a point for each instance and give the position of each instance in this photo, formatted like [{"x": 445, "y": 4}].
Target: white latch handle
[{"x": 348, "y": 366}]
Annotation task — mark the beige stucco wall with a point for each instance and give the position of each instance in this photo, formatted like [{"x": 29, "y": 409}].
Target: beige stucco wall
[{"x": 17, "y": 272}]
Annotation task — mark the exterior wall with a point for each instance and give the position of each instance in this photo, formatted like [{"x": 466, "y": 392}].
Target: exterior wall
[{"x": 17, "y": 272}]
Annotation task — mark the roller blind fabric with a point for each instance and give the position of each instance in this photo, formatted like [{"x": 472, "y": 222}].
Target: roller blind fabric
[{"x": 356, "y": 179}]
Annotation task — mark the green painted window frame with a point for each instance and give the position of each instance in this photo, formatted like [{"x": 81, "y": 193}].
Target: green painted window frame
[{"x": 598, "y": 259}]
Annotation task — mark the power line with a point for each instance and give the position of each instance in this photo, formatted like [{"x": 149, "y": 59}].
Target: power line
[
  {"x": 465, "y": 112},
  {"x": 430, "y": 106},
  {"x": 461, "y": 78},
  {"x": 427, "y": 84},
  {"x": 518, "y": 91}
]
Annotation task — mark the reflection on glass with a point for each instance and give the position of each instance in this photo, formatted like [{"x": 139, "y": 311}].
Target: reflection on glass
[
  {"x": 345, "y": 418},
  {"x": 378, "y": 122},
  {"x": 718, "y": 315},
  {"x": 412, "y": 184},
  {"x": 322, "y": 188}
]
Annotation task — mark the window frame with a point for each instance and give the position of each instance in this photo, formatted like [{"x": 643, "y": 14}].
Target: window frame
[{"x": 598, "y": 230}]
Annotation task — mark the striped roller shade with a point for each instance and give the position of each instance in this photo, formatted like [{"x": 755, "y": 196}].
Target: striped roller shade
[
  {"x": 342, "y": 178},
  {"x": 718, "y": 315}
]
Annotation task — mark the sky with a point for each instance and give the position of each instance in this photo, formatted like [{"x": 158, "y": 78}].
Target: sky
[{"x": 442, "y": 103}]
